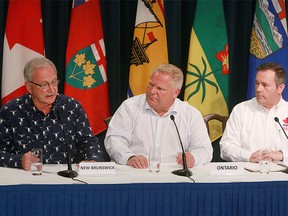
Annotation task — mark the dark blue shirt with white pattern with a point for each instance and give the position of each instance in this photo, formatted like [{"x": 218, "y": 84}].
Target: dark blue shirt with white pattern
[{"x": 23, "y": 127}]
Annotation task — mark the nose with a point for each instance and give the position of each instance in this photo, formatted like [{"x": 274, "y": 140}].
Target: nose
[
  {"x": 153, "y": 90},
  {"x": 258, "y": 88}
]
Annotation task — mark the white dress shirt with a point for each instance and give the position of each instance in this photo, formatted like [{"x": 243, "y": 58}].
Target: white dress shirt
[
  {"x": 251, "y": 127},
  {"x": 135, "y": 126}
]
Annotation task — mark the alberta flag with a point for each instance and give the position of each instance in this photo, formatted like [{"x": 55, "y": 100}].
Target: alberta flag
[
  {"x": 206, "y": 86},
  {"x": 86, "y": 74},
  {"x": 149, "y": 48},
  {"x": 269, "y": 42},
  {"x": 23, "y": 40}
]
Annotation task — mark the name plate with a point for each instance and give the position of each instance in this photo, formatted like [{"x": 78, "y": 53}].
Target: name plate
[
  {"x": 226, "y": 168},
  {"x": 97, "y": 168}
]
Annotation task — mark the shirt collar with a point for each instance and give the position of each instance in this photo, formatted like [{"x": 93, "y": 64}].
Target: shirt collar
[
  {"x": 275, "y": 107},
  {"x": 172, "y": 109},
  {"x": 29, "y": 101}
]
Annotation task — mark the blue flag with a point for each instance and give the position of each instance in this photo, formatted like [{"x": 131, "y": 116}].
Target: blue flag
[{"x": 269, "y": 42}]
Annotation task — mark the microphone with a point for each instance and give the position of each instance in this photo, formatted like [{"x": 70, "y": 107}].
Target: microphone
[
  {"x": 69, "y": 173},
  {"x": 276, "y": 119},
  {"x": 185, "y": 171}
]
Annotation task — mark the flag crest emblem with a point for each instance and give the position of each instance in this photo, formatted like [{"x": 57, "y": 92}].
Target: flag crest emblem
[
  {"x": 266, "y": 36},
  {"x": 83, "y": 71}
]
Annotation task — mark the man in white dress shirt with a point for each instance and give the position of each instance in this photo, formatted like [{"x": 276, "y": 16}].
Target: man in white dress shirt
[
  {"x": 252, "y": 126},
  {"x": 144, "y": 120}
]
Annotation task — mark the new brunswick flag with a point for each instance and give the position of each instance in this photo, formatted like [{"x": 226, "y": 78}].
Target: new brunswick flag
[
  {"x": 23, "y": 40},
  {"x": 86, "y": 75},
  {"x": 269, "y": 42},
  {"x": 206, "y": 86},
  {"x": 149, "y": 47}
]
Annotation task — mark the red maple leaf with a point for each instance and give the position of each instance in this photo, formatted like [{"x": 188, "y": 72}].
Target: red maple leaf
[
  {"x": 285, "y": 120},
  {"x": 224, "y": 58}
]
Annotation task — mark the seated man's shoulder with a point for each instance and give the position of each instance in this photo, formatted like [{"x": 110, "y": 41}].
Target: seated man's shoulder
[
  {"x": 246, "y": 105},
  {"x": 17, "y": 102},
  {"x": 186, "y": 106},
  {"x": 136, "y": 100}
]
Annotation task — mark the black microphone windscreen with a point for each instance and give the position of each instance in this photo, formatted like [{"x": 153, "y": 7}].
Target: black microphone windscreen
[
  {"x": 276, "y": 119},
  {"x": 172, "y": 117}
]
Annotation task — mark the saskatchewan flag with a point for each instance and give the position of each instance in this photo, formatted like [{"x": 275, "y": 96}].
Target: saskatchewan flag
[
  {"x": 269, "y": 41},
  {"x": 149, "y": 47},
  {"x": 206, "y": 86}
]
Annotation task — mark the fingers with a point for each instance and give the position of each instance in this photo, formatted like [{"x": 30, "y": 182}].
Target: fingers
[
  {"x": 26, "y": 161},
  {"x": 138, "y": 161},
  {"x": 179, "y": 158},
  {"x": 189, "y": 159},
  {"x": 255, "y": 157},
  {"x": 265, "y": 155},
  {"x": 276, "y": 156}
]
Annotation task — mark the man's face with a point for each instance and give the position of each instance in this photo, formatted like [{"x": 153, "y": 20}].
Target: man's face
[
  {"x": 159, "y": 93},
  {"x": 266, "y": 90},
  {"x": 41, "y": 96}
]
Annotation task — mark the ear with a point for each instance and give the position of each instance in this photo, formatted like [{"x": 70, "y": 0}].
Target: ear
[
  {"x": 28, "y": 87},
  {"x": 281, "y": 88},
  {"x": 177, "y": 92}
]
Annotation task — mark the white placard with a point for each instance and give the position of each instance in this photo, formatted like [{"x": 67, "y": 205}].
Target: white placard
[
  {"x": 226, "y": 168},
  {"x": 97, "y": 168}
]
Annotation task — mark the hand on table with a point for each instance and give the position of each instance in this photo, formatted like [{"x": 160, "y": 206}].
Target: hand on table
[
  {"x": 257, "y": 156},
  {"x": 26, "y": 161},
  {"x": 138, "y": 161},
  {"x": 189, "y": 159}
]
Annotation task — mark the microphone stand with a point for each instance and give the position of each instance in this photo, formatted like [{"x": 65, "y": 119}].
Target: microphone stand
[
  {"x": 276, "y": 119},
  {"x": 69, "y": 173},
  {"x": 185, "y": 171}
]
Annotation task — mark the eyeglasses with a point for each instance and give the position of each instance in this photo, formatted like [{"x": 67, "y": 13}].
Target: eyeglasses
[{"x": 46, "y": 85}]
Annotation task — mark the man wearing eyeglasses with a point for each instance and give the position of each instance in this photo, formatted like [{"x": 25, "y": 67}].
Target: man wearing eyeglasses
[{"x": 45, "y": 119}]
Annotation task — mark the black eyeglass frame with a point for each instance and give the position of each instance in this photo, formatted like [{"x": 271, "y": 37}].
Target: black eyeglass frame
[{"x": 53, "y": 83}]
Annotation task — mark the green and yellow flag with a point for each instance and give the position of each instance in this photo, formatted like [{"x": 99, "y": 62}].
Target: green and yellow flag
[
  {"x": 149, "y": 47},
  {"x": 206, "y": 86}
]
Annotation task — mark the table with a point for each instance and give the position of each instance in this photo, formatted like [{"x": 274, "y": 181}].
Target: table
[{"x": 138, "y": 192}]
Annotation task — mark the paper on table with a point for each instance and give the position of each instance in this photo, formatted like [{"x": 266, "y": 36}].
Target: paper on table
[{"x": 254, "y": 167}]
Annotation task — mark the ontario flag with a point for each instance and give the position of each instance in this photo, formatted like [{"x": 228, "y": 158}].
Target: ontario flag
[
  {"x": 149, "y": 47},
  {"x": 86, "y": 74},
  {"x": 23, "y": 40},
  {"x": 269, "y": 41},
  {"x": 206, "y": 86}
]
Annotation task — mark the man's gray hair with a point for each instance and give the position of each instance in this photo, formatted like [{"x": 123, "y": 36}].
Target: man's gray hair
[
  {"x": 175, "y": 72},
  {"x": 35, "y": 63}
]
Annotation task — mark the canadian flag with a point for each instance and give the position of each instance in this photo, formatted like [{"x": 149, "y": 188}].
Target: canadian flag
[{"x": 23, "y": 40}]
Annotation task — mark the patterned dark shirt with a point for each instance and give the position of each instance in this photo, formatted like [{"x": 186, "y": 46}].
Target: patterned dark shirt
[{"x": 23, "y": 127}]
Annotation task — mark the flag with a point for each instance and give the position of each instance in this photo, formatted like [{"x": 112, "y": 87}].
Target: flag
[
  {"x": 86, "y": 73},
  {"x": 206, "y": 86},
  {"x": 23, "y": 40},
  {"x": 149, "y": 48},
  {"x": 269, "y": 42}
]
